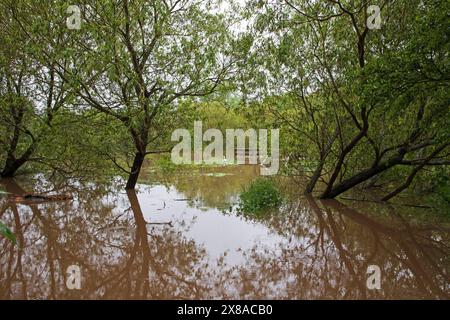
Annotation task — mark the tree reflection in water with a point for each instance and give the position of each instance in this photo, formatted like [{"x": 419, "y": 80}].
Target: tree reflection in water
[
  {"x": 119, "y": 254},
  {"x": 324, "y": 253},
  {"x": 333, "y": 245}
]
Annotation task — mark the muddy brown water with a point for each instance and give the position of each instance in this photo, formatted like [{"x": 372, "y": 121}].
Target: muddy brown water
[{"x": 179, "y": 237}]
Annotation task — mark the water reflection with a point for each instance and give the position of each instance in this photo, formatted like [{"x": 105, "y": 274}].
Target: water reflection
[
  {"x": 212, "y": 187},
  {"x": 126, "y": 248},
  {"x": 332, "y": 247}
]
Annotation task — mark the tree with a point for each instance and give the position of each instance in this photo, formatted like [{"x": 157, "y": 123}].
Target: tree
[
  {"x": 370, "y": 101},
  {"x": 134, "y": 60},
  {"x": 31, "y": 91}
]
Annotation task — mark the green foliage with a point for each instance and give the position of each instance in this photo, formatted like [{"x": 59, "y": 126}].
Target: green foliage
[
  {"x": 165, "y": 165},
  {"x": 260, "y": 196},
  {"x": 442, "y": 188},
  {"x": 82, "y": 101},
  {"x": 330, "y": 76},
  {"x": 439, "y": 196},
  {"x": 218, "y": 114},
  {"x": 8, "y": 234}
]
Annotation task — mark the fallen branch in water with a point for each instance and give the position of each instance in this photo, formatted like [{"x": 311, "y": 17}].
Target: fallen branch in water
[
  {"x": 163, "y": 206},
  {"x": 161, "y": 223},
  {"x": 384, "y": 202},
  {"x": 40, "y": 197}
]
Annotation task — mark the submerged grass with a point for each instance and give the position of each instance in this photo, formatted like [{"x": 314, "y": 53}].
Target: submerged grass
[
  {"x": 260, "y": 196},
  {"x": 8, "y": 234}
]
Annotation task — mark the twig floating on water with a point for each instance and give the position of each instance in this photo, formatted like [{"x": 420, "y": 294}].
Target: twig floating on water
[
  {"x": 383, "y": 202},
  {"x": 161, "y": 223}
]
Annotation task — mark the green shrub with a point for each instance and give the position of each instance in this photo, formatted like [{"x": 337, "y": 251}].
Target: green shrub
[
  {"x": 5, "y": 232},
  {"x": 439, "y": 196},
  {"x": 261, "y": 195},
  {"x": 165, "y": 165}
]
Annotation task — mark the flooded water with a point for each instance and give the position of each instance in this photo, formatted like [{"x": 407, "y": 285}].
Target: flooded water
[{"x": 180, "y": 237}]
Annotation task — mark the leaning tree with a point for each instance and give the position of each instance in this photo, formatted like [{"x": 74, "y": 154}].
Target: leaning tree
[
  {"x": 33, "y": 90},
  {"x": 370, "y": 100},
  {"x": 135, "y": 60}
]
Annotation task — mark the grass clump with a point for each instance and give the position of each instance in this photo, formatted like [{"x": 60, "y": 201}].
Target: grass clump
[
  {"x": 8, "y": 234},
  {"x": 260, "y": 196},
  {"x": 165, "y": 165}
]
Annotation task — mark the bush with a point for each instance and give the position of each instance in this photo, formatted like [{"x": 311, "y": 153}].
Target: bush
[
  {"x": 5, "y": 232},
  {"x": 165, "y": 165},
  {"x": 261, "y": 195}
]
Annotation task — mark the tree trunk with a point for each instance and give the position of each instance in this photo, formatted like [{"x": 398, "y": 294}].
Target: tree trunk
[
  {"x": 315, "y": 177},
  {"x": 135, "y": 170},
  {"x": 360, "y": 177},
  {"x": 10, "y": 169},
  {"x": 323, "y": 156},
  {"x": 413, "y": 173},
  {"x": 342, "y": 156},
  {"x": 404, "y": 186},
  {"x": 12, "y": 164}
]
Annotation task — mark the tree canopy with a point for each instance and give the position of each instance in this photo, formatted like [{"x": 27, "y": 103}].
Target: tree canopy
[{"x": 358, "y": 105}]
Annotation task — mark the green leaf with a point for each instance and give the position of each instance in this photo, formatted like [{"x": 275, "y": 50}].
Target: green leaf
[{"x": 4, "y": 231}]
